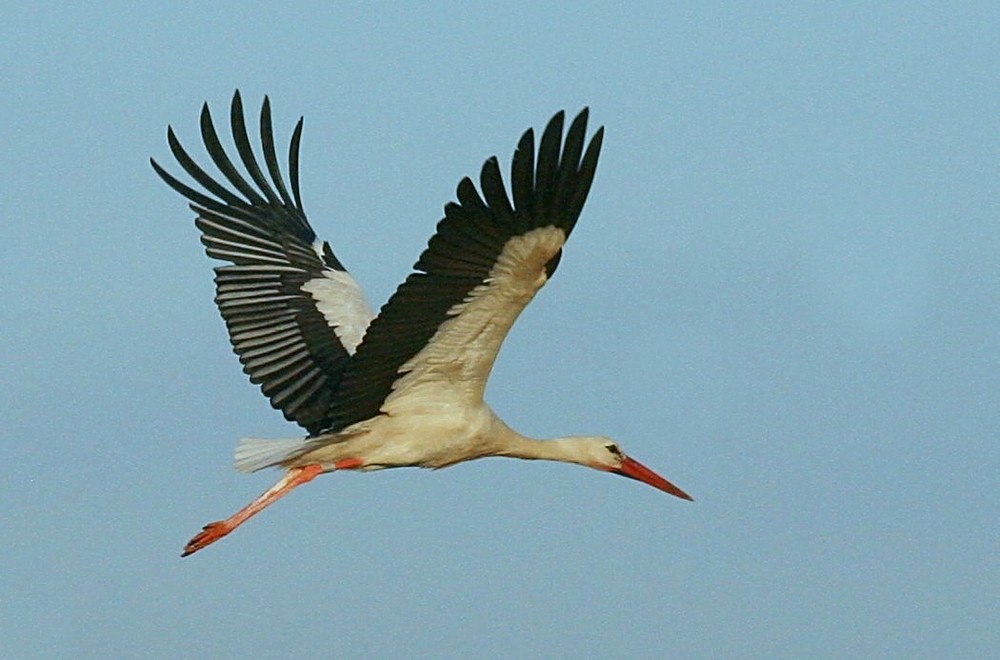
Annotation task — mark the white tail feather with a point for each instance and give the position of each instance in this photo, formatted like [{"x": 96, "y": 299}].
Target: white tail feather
[{"x": 254, "y": 454}]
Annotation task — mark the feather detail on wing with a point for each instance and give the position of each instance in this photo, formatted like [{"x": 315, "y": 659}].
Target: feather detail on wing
[
  {"x": 441, "y": 330},
  {"x": 294, "y": 314}
]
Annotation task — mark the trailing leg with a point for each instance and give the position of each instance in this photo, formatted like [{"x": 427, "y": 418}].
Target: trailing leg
[{"x": 214, "y": 531}]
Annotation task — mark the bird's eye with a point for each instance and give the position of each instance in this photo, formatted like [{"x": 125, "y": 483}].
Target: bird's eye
[{"x": 614, "y": 450}]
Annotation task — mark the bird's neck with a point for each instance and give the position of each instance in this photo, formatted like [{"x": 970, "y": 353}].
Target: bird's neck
[{"x": 565, "y": 449}]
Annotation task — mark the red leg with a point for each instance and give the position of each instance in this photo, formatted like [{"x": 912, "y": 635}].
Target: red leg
[{"x": 214, "y": 531}]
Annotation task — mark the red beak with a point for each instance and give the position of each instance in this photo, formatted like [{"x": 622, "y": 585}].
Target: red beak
[{"x": 633, "y": 469}]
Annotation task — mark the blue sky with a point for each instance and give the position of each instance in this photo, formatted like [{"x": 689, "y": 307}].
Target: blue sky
[{"x": 783, "y": 294}]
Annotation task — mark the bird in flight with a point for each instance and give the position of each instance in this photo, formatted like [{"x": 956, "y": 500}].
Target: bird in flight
[{"x": 404, "y": 387}]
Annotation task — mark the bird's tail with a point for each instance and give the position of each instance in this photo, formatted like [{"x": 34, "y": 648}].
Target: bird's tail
[{"x": 254, "y": 454}]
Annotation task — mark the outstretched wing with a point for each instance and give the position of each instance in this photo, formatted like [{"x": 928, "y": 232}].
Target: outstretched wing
[
  {"x": 294, "y": 314},
  {"x": 434, "y": 342}
]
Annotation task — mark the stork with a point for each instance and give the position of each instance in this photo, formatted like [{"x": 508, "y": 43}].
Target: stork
[{"x": 405, "y": 387}]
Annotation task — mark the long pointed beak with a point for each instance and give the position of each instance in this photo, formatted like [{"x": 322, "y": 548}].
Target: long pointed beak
[{"x": 633, "y": 469}]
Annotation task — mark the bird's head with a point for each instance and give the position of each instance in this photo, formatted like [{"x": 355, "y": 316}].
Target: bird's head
[{"x": 604, "y": 454}]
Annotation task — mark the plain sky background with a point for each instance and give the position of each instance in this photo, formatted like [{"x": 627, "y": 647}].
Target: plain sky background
[{"x": 783, "y": 294}]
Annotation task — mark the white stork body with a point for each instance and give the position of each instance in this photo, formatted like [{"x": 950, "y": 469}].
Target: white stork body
[{"x": 404, "y": 388}]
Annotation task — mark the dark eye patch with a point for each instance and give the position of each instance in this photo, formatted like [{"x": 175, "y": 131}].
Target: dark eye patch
[{"x": 614, "y": 450}]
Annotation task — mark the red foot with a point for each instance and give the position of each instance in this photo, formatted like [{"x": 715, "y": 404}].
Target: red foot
[{"x": 209, "y": 534}]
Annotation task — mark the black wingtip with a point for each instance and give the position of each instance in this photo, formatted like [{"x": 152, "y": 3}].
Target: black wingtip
[
  {"x": 293, "y": 162},
  {"x": 596, "y": 142},
  {"x": 236, "y": 105}
]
